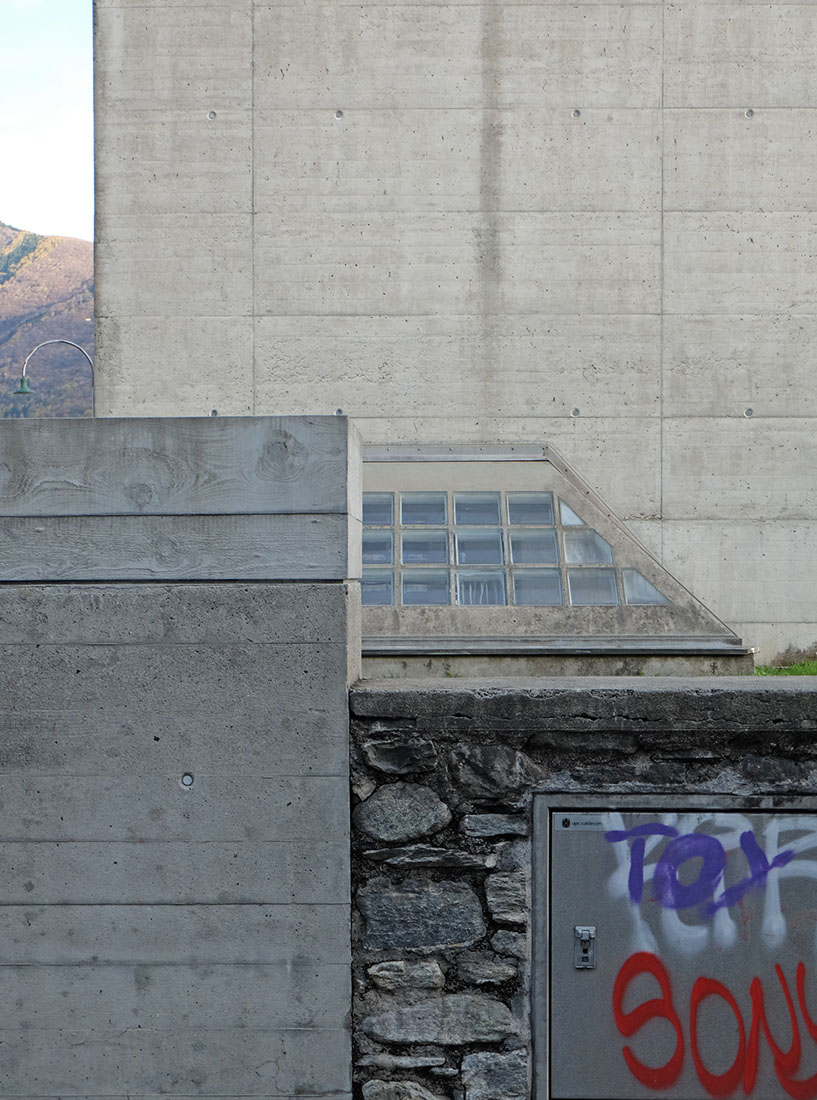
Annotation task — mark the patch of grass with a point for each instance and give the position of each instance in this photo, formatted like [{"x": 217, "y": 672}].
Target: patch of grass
[{"x": 805, "y": 668}]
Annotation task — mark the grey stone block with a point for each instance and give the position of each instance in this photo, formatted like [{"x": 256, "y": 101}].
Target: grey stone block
[
  {"x": 400, "y": 754},
  {"x": 513, "y": 855},
  {"x": 508, "y": 897},
  {"x": 397, "y": 1090},
  {"x": 486, "y": 969},
  {"x": 420, "y": 915},
  {"x": 453, "y": 1020},
  {"x": 489, "y": 1076},
  {"x": 495, "y": 772},
  {"x": 401, "y": 1061},
  {"x": 401, "y": 811},
  {"x": 423, "y": 855},
  {"x": 510, "y": 943},
  {"x": 399, "y": 974},
  {"x": 494, "y": 825}
]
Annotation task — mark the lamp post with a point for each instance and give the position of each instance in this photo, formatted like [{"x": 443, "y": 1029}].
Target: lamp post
[{"x": 24, "y": 387}]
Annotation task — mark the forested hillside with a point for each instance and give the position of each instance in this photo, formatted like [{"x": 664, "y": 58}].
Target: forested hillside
[{"x": 46, "y": 293}]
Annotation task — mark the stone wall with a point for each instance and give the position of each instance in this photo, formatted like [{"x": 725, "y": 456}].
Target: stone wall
[{"x": 443, "y": 776}]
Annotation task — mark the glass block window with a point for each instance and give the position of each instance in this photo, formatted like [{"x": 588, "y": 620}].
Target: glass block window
[
  {"x": 489, "y": 549},
  {"x": 481, "y": 589},
  {"x": 592, "y": 587},
  {"x": 638, "y": 590},
  {"x": 422, "y": 509}
]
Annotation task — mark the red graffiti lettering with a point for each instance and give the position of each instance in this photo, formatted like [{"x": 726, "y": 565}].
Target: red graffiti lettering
[
  {"x": 744, "y": 1068},
  {"x": 643, "y": 962},
  {"x": 716, "y": 1084},
  {"x": 785, "y": 1061}
]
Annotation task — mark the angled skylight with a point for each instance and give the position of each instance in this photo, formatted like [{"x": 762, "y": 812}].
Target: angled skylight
[
  {"x": 490, "y": 549},
  {"x": 507, "y": 546}
]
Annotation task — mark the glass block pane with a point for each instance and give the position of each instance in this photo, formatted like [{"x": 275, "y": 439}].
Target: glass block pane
[
  {"x": 425, "y": 586},
  {"x": 378, "y": 509},
  {"x": 587, "y": 547},
  {"x": 479, "y": 548},
  {"x": 476, "y": 508},
  {"x": 378, "y": 547},
  {"x": 569, "y": 517},
  {"x": 537, "y": 586},
  {"x": 377, "y": 587},
  {"x": 534, "y": 547},
  {"x": 638, "y": 590},
  {"x": 592, "y": 587},
  {"x": 423, "y": 508},
  {"x": 530, "y": 508},
  {"x": 481, "y": 589},
  {"x": 426, "y": 547}
]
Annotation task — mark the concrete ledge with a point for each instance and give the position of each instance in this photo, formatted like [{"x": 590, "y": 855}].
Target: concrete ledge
[{"x": 590, "y": 702}]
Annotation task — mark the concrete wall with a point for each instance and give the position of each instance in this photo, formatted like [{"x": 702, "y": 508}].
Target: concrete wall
[
  {"x": 159, "y": 937},
  {"x": 452, "y": 939},
  {"x": 588, "y": 223}
]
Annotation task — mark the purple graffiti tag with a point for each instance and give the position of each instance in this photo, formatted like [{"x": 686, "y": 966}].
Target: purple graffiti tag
[
  {"x": 673, "y": 894},
  {"x": 635, "y": 881},
  {"x": 759, "y": 868}
]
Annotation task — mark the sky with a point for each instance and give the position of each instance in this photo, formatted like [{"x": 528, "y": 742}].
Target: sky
[{"x": 46, "y": 116}]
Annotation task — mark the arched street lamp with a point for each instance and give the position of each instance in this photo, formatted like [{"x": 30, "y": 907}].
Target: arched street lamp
[{"x": 24, "y": 387}]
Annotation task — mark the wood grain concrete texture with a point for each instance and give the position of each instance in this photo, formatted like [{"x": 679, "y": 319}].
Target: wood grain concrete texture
[
  {"x": 773, "y": 558},
  {"x": 438, "y": 244},
  {"x": 211, "y": 66},
  {"x": 162, "y": 937},
  {"x": 722, "y": 160},
  {"x": 414, "y": 161},
  {"x": 432, "y": 56},
  {"x": 179, "y": 499},
  {"x": 740, "y": 55},
  {"x": 724, "y": 364},
  {"x": 223, "y": 368},
  {"x": 493, "y": 363},
  {"x": 598, "y": 447},
  {"x": 711, "y": 451}
]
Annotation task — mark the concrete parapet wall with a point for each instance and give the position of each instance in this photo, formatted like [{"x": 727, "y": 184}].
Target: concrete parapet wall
[
  {"x": 444, "y": 777},
  {"x": 174, "y": 766}
]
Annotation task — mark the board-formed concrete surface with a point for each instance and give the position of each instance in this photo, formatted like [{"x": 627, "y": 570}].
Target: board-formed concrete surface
[
  {"x": 591, "y": 224},
  {"x": 174, "y": 815}
]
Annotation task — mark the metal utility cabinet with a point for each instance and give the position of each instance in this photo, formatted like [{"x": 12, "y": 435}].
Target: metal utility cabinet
[{"x": 675, "y": 951}]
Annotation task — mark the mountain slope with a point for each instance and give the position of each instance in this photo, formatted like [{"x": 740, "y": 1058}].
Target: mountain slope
[{"x": 46, "y": 293}]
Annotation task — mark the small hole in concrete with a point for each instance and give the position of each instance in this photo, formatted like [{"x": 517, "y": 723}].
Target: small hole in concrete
[
  {"x": 575, "y": 412},
  {"x": 750, "y": 113},
  {"x": 338, "y": 114},
  {"x": 338, "y": 412},
  {"x": 577, "y": 113},
  {"x": 187, "y": 780},
  {"x": 211, "y": 115},
  {"x": 214, "y": 412},
  {"x": 748, "y": 412}
]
